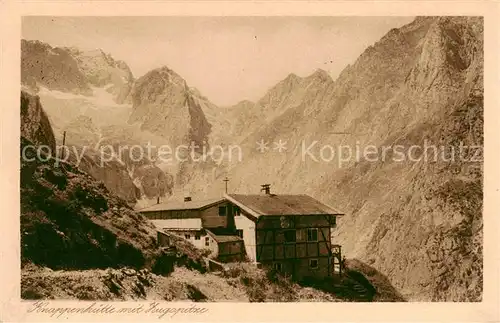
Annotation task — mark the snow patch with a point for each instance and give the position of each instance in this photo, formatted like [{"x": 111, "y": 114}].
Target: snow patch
[{"x": 100, "y": 97}]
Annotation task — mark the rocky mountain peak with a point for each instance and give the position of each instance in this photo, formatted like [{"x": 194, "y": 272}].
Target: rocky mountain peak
[
  {"x": 244, "y": 103},
  {"x": 291, "y": 92},
  {"x": 172, "y": 77},
  {"x": 102, "y": 70},
  {"x": 163, "y": 104},
  {"x": 51, "y": 67},
  {"x": 292, "y": 77},
  {"x": 320, "y": 74},
  {"x": 197, "y": 93},
  {"x": 70, "y": 69}
]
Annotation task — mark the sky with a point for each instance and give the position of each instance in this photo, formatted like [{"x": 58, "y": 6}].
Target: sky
[{"x": 228, "y": 59}]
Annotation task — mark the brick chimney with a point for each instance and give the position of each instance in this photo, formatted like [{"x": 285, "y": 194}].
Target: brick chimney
[{"x": 266, "y": 188}]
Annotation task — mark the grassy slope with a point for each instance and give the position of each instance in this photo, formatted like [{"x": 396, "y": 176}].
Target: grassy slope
[
  {"x": 246, "y": 283},
  {"x": 70, "y": 220}
]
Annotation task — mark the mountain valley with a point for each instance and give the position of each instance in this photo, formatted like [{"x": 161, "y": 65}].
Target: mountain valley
[{"x": 417, "y": 222}]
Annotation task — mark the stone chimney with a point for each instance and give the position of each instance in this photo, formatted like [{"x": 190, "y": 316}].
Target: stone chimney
[
  {"x": 266, "y": 188},
  {"x": 187, "y": 195}
]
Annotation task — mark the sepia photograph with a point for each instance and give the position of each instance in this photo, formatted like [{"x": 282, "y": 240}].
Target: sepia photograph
[{"x": 251, "y": 158}]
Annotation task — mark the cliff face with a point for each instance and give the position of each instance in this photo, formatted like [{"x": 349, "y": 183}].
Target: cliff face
[
  {"x": 125, "y": 174},
  {"x": 153, "y": 182},
  {"x": 35, "y": 125},
  {"x": 421, "y": 222},
  {"x": 73, "y": 70},
  {"x": 112, "y": 173},
  {"x": 163, "y": 104},
  {"x": 82, "y": 131},
  {"x": 126, "y": 179}
]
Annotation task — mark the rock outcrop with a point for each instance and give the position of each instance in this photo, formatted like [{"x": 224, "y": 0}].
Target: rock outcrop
[
  {"x": 164, "y": 104},
  {"x": 35, "y": 125},
  {"x": 51, "y": 67},
  {"x": 292, "y": 92},
  {"x": 82, "y": 131},
  {"x": 153, "y": 182},
  {"x": 101, "y": 70},
  {"x": 112, "y": 173}
]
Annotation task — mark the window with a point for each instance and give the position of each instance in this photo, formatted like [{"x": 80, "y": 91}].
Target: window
[
  {"x": 240, "y": 233},
  {"x": 222, "y": 211},
  {"x": 197, "y": 237},
  {"x": 290, "y": 235},
  {"x": 187, "y": 236},
  {"x": 207, "y": 241},
  {"x": 334, "y": 221},
  {"x": 237, "y": 211},
  {"x": 312, "y": 234},
  {"x": 313, "y": 263},
  {"x": 277, "y": 266},
  {"x": 336, "y": 265}
]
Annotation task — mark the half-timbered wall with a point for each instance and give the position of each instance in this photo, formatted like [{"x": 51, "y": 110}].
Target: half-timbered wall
[
  {"x": 303, "y": 268},
  {"x": 293, "y": 242},
  {"x": 231, "y": 251}
]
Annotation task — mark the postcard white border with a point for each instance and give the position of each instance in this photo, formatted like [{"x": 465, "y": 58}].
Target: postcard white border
[{"x": 13, "y": 309}]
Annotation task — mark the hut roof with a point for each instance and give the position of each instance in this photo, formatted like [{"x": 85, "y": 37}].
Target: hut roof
[
  {"x": 181, "y": 205},
  {"x": 271, "y": 204}
]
